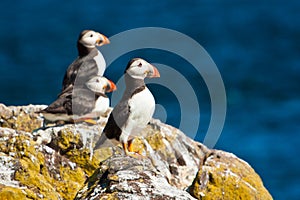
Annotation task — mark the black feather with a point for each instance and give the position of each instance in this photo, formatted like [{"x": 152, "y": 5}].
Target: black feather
[
  {"x": 81, "y": 70},
  {"x": 129, "y": 63}
]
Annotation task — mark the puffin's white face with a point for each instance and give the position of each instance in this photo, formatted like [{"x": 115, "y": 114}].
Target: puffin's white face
[
  {"x": 91, "y": 39},
  {"x": 140, "y": 69},
  {"x": 101, "y": 84}
]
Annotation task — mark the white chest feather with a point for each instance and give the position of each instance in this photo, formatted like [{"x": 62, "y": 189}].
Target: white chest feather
[
  {"x": 99, "y": 59},
  {"x": 142, "y": 107},
  {"x": 101, "y": 105}
]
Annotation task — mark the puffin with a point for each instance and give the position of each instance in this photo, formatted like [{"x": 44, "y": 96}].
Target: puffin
[
  {"x": 135, "y": 109},
  {"x": 81, "y": 104},
  {"x": 90, "y": 61}
]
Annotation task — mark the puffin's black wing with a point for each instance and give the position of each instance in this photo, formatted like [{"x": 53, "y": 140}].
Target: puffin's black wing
[
  {"x": 71, "y": 73},
  {"x": 62, "y": 105},
  {"x": 83, "y": 101},
  {"x": 86, "y": 71},
  {"x": 81, "y": 70},
  {"x": 117, "y": 120}
]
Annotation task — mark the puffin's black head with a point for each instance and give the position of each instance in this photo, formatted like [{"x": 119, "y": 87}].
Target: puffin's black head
[
  {"x": 91, "y": 39},
  {"x": 139, "y": 69},
  {"x": 130, "y": 63}
]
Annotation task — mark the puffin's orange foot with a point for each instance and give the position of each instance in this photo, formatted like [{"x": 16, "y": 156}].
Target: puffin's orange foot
[
  {"x": 135, "y": 155},
  {"x": 90, "y": 121},
  {"x": 128, "y": 151},
  {"x": 86, "y": 120}
]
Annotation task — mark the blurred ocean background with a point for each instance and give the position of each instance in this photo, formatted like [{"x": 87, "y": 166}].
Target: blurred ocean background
[{"x": 255, "y": 45}]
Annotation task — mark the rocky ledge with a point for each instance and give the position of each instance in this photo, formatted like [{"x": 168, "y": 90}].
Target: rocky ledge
[{"x": 58, "y": 162}]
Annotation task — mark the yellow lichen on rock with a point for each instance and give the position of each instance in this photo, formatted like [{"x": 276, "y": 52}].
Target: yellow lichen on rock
[
  {"x": 67, "y": 139},
  {"x": 26, "y": 122},
  {"x": 102, "y": 154},
  {"x": 42, "y": 174},
  {"x": 224, "y": 176},
  {"x": 54, "y": 162},
  {"x": 74, "y": 179},
  {"x": 156, "y": 141},
  {"x": 69, "y": 143},
  {"x": 30, "y": 176},
  {"x": 20, "y": 117},
  {"x": 11, "y": 193},
  {"x": 83, "y": 158},
  {"x": 17, "y": 193},
  {"x": 35, "y": 175}
]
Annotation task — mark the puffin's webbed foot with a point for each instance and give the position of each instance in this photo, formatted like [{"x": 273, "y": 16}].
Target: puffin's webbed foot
[
  {"x": 129, "y": 151},
  {"x": 89, "y": 121}
]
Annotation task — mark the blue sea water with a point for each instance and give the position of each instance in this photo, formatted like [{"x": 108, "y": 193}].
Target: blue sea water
[{"x": 255, "y": 45}]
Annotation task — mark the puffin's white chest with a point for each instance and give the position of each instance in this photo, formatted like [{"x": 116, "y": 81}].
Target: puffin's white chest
[
  {"x": 141, "y": 107},
  {"x": 100, "y": 62},
  {"x": 101, "y": 105}
]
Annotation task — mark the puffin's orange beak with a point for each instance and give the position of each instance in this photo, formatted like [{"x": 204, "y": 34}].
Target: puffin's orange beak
[
  {"x": 112, "y": 86},
  {"x": 102, "y": 40},
  {"x": 154, "y": 73}
]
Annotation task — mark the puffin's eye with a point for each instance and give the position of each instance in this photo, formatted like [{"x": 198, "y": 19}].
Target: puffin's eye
[
  {"x": 140, "y": 64},
  {"x": 91, "y": 35}
]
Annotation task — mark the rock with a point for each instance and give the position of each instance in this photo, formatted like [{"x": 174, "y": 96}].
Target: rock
[
  {"x": 21, "y": 117},
  {"x": 122, "y": 177},
  {"x": 58, "y": 162},
  {"x": 224, "y": 176},
  {"x": 172, "y": 153},
  {"x": 36, "y": 170}
]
